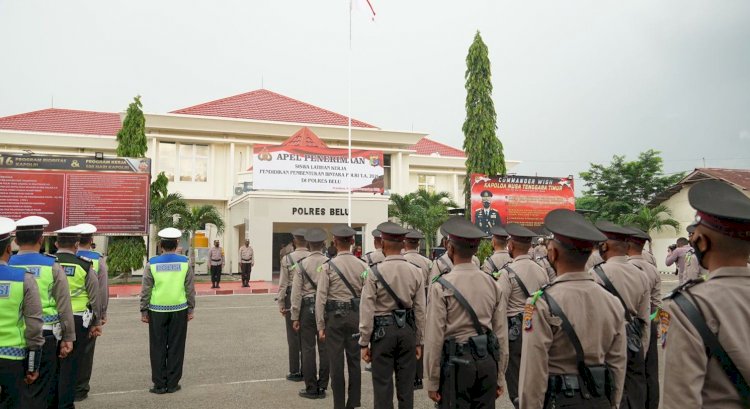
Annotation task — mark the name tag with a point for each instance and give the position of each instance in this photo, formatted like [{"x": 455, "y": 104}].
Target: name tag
[
  {"x": 4, "y": 290},
  {"x": 70, "y": 271},
  {"x": 168, "y": 267},
  {"x": 35, "y": 270}
]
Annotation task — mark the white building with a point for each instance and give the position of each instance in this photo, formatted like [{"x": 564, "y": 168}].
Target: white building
[{"x": 206, "y": 150}]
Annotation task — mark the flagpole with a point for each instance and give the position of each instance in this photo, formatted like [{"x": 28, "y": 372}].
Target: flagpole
[{"x": 349, "y": 114}]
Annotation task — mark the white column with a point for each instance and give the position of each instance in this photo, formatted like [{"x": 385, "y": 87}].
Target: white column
[
  {"x": 400, "y": 173},
  {"x": 455, "y": 188},
  {"x": 154, "y": 156},
  {"x": 232, "y": 172}
]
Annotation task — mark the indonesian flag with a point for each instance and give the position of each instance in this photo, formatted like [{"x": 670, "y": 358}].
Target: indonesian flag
[{"x": 364, "y": 7}]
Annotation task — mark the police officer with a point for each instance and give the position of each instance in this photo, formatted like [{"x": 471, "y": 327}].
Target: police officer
[
  {"x": 636, "y": 241},
  {"x": 594, "y": 259},
  {"x": 486, "y": 217},
  {"x": 411, "y": 254},
  {"x": 569, "y": 321},
  {"x": 709, "y": 319},
  {"x": 20, "y": 340},
  {"x": 337, "y": 316},
  {"x": 452, "y": 334},
  {"x": 443, "y": 264},
  {"x": 693, "y": 269},
  {"x": 57, "y": 315},
  {"x": 167, "y": 304},
  {"x": 99, "y": 264},
  {"x": 501, "y": 256},
  {"x": 284, "y": 299},
  {"x": 216, "y": 263},
  {"x": 305, "y": 285},
  {"x": 631, "y": 286},
  {"x": 518, "y": 281},
  {"x": 247, "y": 261},
  {"x": 391, "y": 321},
  {"x": 375, "y": 256},
  {"x": 84, "y": 297}
]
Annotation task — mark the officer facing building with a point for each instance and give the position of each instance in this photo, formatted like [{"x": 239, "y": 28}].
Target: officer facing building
[
  {"x": 337, "y": 316},
  {"x": 289, "y": 264},
  {"x": 465, "y": 341},
  {"x": 706, "y": 360},
  {"x": 487, "y": 217},
  {"x": 574, "y": 344},
  {"x": 167, "y": 304},
  {"x": 443, "y": 264},
  {"x": 375, "y": 256},
  {"x": 500, "y": 257},
  {"x": 391, "y": 321},
  {"x": 411, "y": 254},
  {"x": 57, "y": 315},
  {"x": 21, "y": 337}
]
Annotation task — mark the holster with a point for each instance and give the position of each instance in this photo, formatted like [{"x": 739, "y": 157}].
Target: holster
[
  {"x": 448, "y": 374},
  {"x": 493, "y": 345},
  {"x": 402, "y": 317},
  {"x": 633, "y": 330},
  {"x": 599, "y": 381},
  {"x": 479, "y": 346},
  {"x": 33, "y": 360},
  {"x": 355, "y": 304},
  {"x": 514, "y": 327}
]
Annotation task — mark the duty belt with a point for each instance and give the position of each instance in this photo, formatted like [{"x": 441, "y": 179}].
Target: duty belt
[
  {"x": 310, "y": 299},
  {"x": 51, "y": 319},
  {"x": 338, "y": 305},
  {"x": 562, "y": 383},
  {"x": 384, "y": 321}
]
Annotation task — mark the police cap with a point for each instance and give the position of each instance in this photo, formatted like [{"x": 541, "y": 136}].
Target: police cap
[
  {"x": 376, "y": 233},
  {"x": 315, "y": 235},
  {"x": 485, "y": 194},
  {"x": 343, "y": 231},
  {"x": 298, "y": 232},
  {"x": 450, "y": 220},
  {"x": 519, "y": 233},
  {"x": 29, "y": 223},
  {"x": 170, "y": 233},
  {"x": 637, "y": 234},
  {"x": 691, "y": 228},
  {"x": 612, "y": 231},
  {"x": 69, "y": 231},
  {"x": 87, "y": 228},
  {"x": 414, "y": 235},
  {"x": 722, "y": 208},
  {"x": 463, "y": 231},
  {"x": 7, "y": 227},
  {"x": 498, "y": 231},
  {"x": 572, "y": 229},
  {"x": 392, "y": 231}
]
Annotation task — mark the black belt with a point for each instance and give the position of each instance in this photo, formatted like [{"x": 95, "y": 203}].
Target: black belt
[
  {"x": 338, "y": 305},
  {"x": 247, "y": 259},
  {"x": 216, "y": 260},
  {"x": 384, "y": 321},
  {"x": 463, "y": 349},
  {"x": 562, "y": 383},
  {"x": 308, "y": 300}
]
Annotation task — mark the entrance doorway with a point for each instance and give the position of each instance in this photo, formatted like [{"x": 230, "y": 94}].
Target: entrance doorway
[{"x": 282, "y": 235}]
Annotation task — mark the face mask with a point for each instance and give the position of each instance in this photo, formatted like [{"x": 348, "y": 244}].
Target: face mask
[
  {"x": 700, "y": 254},
  {"x": 486, "y": 205},
  {"x": 602, "y": 249}
]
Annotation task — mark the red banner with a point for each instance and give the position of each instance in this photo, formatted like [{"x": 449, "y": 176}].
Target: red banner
[{"x": 518, "y": 199}]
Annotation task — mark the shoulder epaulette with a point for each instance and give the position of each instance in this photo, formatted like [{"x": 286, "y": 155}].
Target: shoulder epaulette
[
  {"x": 437, "y": 277},
  {"x": 85, "y": 259},
  {"x": 684, "y": 286},
  {"x": 541, "y": 291},
  {"x": 293, "y": 266},
  {"x": 415, "y": 265},
  {"x": 492, "y": 276}
]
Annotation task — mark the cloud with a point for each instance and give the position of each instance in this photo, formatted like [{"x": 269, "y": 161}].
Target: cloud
[{"x": 744, "y": 135}]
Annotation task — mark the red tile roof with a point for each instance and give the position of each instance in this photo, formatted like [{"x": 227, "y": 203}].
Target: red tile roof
[
  {"x": 740, "y": 178},
  {"x": 305, "y": 137},
  {"x": 66, "y": 121},
  {"x": 264, "y": 105},
  {"x": 427, "y": 146}
]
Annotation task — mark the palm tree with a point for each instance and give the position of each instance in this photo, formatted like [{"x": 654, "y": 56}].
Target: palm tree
[
  {"x": 428, "y": 211},
  {"x": 197, "y": 219},
  {"x": 165, "y": 208},
  {"x": 652, "y": 219},
  {"x": 401, "y": 208}
]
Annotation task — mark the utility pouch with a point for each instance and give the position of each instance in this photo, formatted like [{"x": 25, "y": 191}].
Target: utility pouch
[
  {"x": 601, "y": 380},
  {"x": 399, "y": 316},
  {"x": 493, "y": 345},
  {"x": 514, "y": 327},
  {"x": 633, "y": 332},
  {"x": 355, "y": 304},
  {"x": 479, "y": 346}
]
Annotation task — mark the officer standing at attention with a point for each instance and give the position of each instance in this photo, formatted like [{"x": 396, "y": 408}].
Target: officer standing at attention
[
  {"x": 57, "y": 315},
  {"x": 99, "y": 264},
  {"x": 247, "y": 261},
  {"x": 84, "y": 298},
  {"x": 501, "y": 256},
  {"x": 693, "y": 269},
  {"x": 487, "y": 217},
  {"x": 284, "y": 300},
  {"x": 518, "y": 281},
  {"x": 631, "y": 286},
  {"x": 337, "y": 316},
  {"x": 411, "y": 254},
  {"x": 21, "y": 340},
  {"x": 391, "y": 321},
  {"x": 706, "y": 362},
  {"x": 167, "y": 304},
  {"x": 636, "y": 241},
  {"x": 458, "y": 329},
  {"x": 648, "y": 256},
  {"x": 216, "y": 263},
  {"x": 443, "y": 264},
  {"x": 375, "y": 256},
  {"x": 594, "y": 260},
  {"x": 574, "y": 344},
  {"x": 305, "y": 285}
]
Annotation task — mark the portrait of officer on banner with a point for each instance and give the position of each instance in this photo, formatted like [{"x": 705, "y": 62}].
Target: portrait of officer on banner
[{"x": 486, "y": 217}]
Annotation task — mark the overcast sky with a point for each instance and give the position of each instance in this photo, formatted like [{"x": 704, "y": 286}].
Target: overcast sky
[{"x": 574, "y": 81}]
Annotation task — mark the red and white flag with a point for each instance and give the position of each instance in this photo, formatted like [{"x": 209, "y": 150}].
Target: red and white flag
[{"x": 364, "y": 7}]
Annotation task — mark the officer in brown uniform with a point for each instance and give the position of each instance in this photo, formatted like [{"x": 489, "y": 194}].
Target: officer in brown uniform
[
  {"x": 337, "y": 316},
  {"x": 693, "y": 269},
  {"x": 518, "y": 281},
  {"x": 391, "y": 321},
  {"x": 247, "y": 261},
  {"x": 284, "y": 299},
  {"x": 636, "y": 241},
  {"x": 465, "y": 359},
  {"x": 707, "y": 364},
  {"x": 500, "y": 257},
  {"x": 443, "y": 264},
  {"x": 411, "y": 254},
  {"x": 631, "y": 286},
  {"x": 375, "y": 256},
  {"x": 304, "y": 287},
  {"x": 216, "y": 263},
  {"x": 594, "y": 260},
  {"x": 574, "y": 344},
  {"x": 648, "y": 256}
]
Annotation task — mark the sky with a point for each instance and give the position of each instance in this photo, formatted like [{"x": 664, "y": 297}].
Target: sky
[{"x": 575, "y": 82}]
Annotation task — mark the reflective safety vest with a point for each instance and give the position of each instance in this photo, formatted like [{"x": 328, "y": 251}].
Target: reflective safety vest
[
  {"x": 41, "y": 266},
  {"x": 12, "y": 324},
  {"x": 76, "y": 269},
  {"x": 94, "y": 256},
  {"x": 169, "y": 272}
]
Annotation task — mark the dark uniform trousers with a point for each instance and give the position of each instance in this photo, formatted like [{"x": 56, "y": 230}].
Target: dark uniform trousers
[
  {"x": 395, "y": 351},
  {"x": 476, "y": 383},
  {"x": 634, "y": 392},
  {"x": 292, "y": 338},
  {"x": 69, "y": 367},
  {"x": 309, "y": 337},
  {"x": 652, "y": 370},
  {"x": 166, "y": 336},
  {"x": 216, "y": 274},
  {"x": 245, "y": 270},
  {"x": 85, "y": 366},
  {"x": 43, "y": 393},
  {"x": 513, "y": 371},
  {"x": 340, "y": 326},
  {"x": 12, "y": 387}
]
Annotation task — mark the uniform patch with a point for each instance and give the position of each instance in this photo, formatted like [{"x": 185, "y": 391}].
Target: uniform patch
[
  {"x": 364, "y": 274},
  {"x": 168, "y": 267},
  {"x": 528, "y": 313},
  {"x": 663, "y": 327},
  {"x": 70, "y": 271},
  {"x": 4, "y": 290},
  {"x": 35, "y": 270}
]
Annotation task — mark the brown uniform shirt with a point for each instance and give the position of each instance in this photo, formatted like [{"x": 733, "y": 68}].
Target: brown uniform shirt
[
  {"x": 693, "y": 268},
  {"x": 301, "y": 287},
  {"x": 499, "y": 258},
  {"x": 422, "y": 262},
  {"x": 654, "y": 279},
  {"x": 691, "y": 379},
  {"x": 594, "y": 259},
  {"x": 286, "y": 276},
  {"x": 406, "y": 281},
  {"x": 633, "y": 286},
  {"x": 332, "y": 288},
  {"x": 599, "y": 322},
  {"x": 649, "y": 257},
  {"x": 447, "y": 318},
  {"x": 373, "y": 257},
  {"x": 246, "y": 255},
  {"x": 530, "y": 273},
  {"x": 215, "y": 256},
  {"x": 444, "y": 264},
  {"x": 31, "y": 310},
  {"x": 547, "y": 266},
  {"x": 147, "y": 285}
]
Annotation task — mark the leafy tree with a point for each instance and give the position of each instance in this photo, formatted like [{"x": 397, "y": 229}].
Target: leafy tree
[
  {"x": 654, "y": 219},
  {"x": 401, "y": 208},
  {"x": 484, "y": 151},
  {"x": 485, "y": 250},
  {"x": 422, "y": 210},
  {"x": 197, "y": 219},
  {"x": 165, "y": 206}
]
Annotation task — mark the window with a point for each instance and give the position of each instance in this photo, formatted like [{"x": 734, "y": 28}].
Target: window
[
  {"x": 426, "y": 182},
  {"x": 187, "y": 161},
  {"x": 387, "y": 171}
]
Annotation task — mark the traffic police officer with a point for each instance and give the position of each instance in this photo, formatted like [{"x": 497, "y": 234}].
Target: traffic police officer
[
  {"x": 84, "y": 298},
  {"x": 284, "y": 299},
  {"x": 572, "y": 321},
  {"x": 517, "y": 281},
  {"x": 337, "y": 316},
  {"x": 391, "y": 321},
  {"x": 501, "y": 256},
  {"x": 57, "y": 314},
  {"x": 443, "y": 264},
  {"x": 452, "y": 334},
  {"x": 631, "y": 286},
  {"x": 375, "y": 256},
  {"x": 305, "y": 285},
  {"x": 487, "y": 217},
  {"x": 167, "y": 304},
  {"x": 706, "y": 362},
  {"x": 21, "y": 340},
  {"x": 411, "y": 254}
]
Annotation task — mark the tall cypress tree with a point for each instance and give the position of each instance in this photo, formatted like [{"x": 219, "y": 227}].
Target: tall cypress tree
[{"x": 484, "y": 151}]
